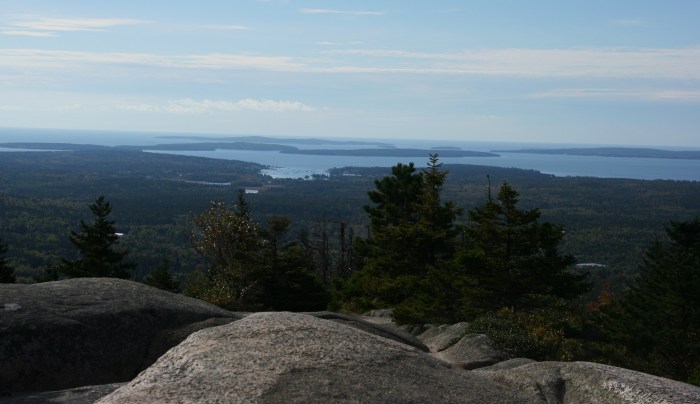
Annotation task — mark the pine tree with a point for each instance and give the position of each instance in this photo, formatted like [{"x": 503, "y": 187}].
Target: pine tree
[
  {"x": 514, "y": 259},
  {"x": 96, "y": 243},
  {"x": 412, "y": 231},
  {"x": 394, "y": 197},
  {"x": 7, "y": 272}
]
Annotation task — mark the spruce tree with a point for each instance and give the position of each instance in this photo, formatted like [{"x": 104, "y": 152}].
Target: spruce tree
[
  {"x": 514, "y": 259},
  {"x": 96, "y": 244},
  {"x": 7, "y": 272},
  {"x": 412, "y": 231},
  {"x": 658, "y": 320}
]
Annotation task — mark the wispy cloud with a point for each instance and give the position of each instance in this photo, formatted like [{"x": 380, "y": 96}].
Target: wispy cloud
[
  {"x": 190, "y": 106},
  {"x": 616, "y": 93},
  {"x": 16, "y": 32},
  {"x": 47, "y": 27},
  {"x": 51, "y": 59},
  {"x": 653, "y": 63},
  {"x": 579, "y": 62},
  {"x": 343, "y": 12}
]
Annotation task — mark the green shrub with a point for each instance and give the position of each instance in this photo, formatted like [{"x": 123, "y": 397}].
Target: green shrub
[{"x": 527, "y": 335}]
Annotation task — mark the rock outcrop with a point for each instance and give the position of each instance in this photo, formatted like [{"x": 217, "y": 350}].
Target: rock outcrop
[
  {"x": 94, "y": 333},
  {"x": 440, "y": 337},
  {"x": 455, "y": 345},
  {"x": 287, "y": 357},
  {"x": 87, "y": 331},
  {"x": 594, "y": 383},
  {"x": 386, "y": 330}
]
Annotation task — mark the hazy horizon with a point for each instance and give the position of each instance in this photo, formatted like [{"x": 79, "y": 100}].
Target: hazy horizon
[
  {"x": 87, "y": 135},
  {"x": 623, "y": 73}
]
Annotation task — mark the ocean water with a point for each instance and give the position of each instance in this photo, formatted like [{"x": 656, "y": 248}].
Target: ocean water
[{"x": 301, "y": 166}]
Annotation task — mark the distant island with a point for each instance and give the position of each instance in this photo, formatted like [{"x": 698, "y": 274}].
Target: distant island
[
  {"x": 446, "y": 148},
  {"x": 54, "y": 146},
  {"x": 384, "y": 152},
  {"x": 266, "y": 139},
  {"x": 614, "y": 152},
  {"x": 380, "y": 151},
  {"x": 211, "y": 146}
]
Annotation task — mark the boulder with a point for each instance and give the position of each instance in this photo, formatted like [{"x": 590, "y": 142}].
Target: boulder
[
  {"x": 472, "y": 351},
  {"x": 167, "y": 339},
  {"x": 579, "y": 382},
  {"x": 509, "y": 364},
  {"x": 386, "y": 330},
  {"x": 442, "y": 337},
  {"x": 87, "y": 331},
  {"x": 292, "y": 357}
]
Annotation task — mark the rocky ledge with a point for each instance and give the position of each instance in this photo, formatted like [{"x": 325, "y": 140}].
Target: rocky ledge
[{"x": 84, "y": 340}]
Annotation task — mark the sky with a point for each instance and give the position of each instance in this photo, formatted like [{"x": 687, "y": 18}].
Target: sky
[{"x": 619, "y": 72}]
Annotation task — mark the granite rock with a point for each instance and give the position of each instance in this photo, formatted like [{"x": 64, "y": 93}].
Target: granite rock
[
  {"x": 86, "y": 331},
  {"x": 290, "y": 357}
]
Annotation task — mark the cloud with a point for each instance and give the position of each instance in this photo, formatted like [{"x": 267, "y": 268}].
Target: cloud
[
  {"x": 647, "y": 63},
  {"x": 189, "y": 106},
  {"x": 343, "y": 12},
  {"x": 69, "y": 60},
  {"x": 675, "y": 95},
  {"x": 612, "y": 93},
  {"x": 46, "y": 27},
  {"x": 678, "y": 63},
  {"x": 15, "y": 32}
]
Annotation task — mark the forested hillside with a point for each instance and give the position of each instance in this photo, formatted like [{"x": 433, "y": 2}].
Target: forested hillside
[
  {"x": 155, "y": 197},
  {"x": 441, "y": 244}
]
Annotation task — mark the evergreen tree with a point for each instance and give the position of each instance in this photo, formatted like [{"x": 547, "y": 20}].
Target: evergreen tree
[
  {"x": 96, "y": 247},
  {"x": 161, "y": 278},
  {"x": 394, "y": 197},
  {"x": 658, "y": 321},
  {"x": 7, "y": 272},
  {"x": 291, "y": 282},
  {"x": 412, "y": 231},
  {"x": 514, "y": 259}
]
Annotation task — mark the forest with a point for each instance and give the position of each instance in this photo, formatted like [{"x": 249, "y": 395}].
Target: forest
[
  {"x": 422, "y": 239},
  {"x": 156, "y": 196}
]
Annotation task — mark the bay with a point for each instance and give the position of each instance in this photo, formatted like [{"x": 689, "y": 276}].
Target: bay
[{"x": 303, "y": 166}]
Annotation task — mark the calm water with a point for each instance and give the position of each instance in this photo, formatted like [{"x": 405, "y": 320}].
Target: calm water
[{"x": 299, "y": 166}]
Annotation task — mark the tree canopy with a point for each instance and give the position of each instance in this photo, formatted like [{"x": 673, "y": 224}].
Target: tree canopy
[
  {"x": 658, "y": 320},
  {"x": 514, "y": 258},
  {"x": 415, "y": 261},
  {"x": 251, "y": 267},
  {"x": 7, "y": 272},
  {"x": 96, "y": 244}
]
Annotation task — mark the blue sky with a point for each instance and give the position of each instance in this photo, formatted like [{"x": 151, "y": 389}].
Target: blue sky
[{"x": 589, "y": 72}]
